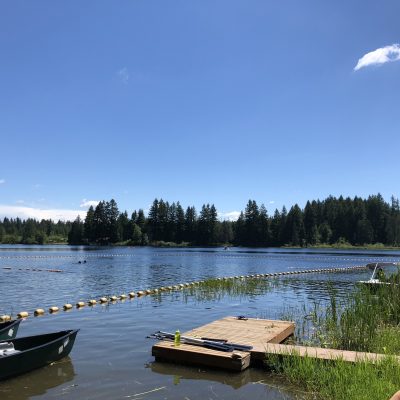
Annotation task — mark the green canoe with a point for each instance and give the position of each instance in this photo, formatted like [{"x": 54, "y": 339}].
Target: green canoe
[
  {"x": 8, "y": 330},
  {"x": 24, "y": 354}
]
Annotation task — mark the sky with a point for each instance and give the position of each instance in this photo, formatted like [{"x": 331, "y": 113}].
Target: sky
[{"x": 205, "y": 101}]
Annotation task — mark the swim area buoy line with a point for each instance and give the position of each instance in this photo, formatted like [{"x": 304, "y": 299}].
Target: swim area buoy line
[{"x": 131, "y": 295}]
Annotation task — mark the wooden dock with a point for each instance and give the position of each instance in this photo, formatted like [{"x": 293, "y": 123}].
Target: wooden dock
[
  {"x": 254, "y": 332},
  {"x": 265, "y": 336}
]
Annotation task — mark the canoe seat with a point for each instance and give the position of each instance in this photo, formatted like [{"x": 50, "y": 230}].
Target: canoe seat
[{"x": 7, "y": 348}]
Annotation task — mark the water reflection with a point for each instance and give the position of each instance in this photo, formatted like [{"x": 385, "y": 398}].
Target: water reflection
[
  {"x": 38, "y": 382},
  {"x": 256, "y": 381}
]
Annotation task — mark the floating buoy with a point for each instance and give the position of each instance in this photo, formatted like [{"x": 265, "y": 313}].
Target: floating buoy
[
  {"x": 5, "y": 318},
  {"x": 147, "y": 291},
  {"x": 39, "y": 311},
  {"x": 132, "y": 294},
  {"x": 103, "y": 300},
  {"x": 92, "y": 302},
  {"x": 113, "y": 298},
  {"x": 23, "y": 314},
  {"x": 53, "y": 309},
  {"x": 67, "y": 306},
  {"x": 80, "y": 304},
  {"x": 123, "y": 296},
  {"x": 155, "y": 291},
  {"x": 140, "y": 293}
]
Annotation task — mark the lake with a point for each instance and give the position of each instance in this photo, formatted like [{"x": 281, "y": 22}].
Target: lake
[{"x": 112, "y": 358}]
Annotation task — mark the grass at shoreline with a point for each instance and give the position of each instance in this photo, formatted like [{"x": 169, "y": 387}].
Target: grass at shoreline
[
  {"x": 340, "y": 380},
  {"x": 365, "y": 321}
]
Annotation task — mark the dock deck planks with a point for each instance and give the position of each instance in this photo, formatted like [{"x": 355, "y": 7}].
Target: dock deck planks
[{"x": 254, "y": 332}]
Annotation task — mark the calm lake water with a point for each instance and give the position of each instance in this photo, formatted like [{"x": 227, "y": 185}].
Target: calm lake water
[{"x": 112, "y": 358}]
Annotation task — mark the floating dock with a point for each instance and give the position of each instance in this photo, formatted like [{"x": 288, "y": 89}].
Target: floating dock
[
  {"x": 253, "y": 332},
  {"x": 264, "y": 335}
]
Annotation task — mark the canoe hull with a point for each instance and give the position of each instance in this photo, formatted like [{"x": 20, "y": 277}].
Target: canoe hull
[
  {"x": 8, "y": 330},
  {"x": 35, "y": 352}
]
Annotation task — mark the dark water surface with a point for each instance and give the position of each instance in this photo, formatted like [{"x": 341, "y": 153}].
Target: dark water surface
[{"x": 112, "y": 358}]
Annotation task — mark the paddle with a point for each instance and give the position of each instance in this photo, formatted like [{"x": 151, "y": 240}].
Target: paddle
[{"x": 217, "y": 345}]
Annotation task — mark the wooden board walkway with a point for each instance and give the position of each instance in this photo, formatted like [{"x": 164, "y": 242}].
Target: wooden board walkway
[
  {"x": 321, "y": 353},
  {"x": 264, "y": 335},
  {"x": 253, "y": 332}
]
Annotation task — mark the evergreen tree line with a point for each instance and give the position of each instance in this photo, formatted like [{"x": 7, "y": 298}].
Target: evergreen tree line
[
  {"x": 31, "y": 231},
  {"x": 355, "y": 221},
  {"x": 334, "y": 220}
]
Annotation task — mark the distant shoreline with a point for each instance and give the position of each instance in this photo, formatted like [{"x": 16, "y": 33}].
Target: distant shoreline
[{"x": 227, "y": 246}]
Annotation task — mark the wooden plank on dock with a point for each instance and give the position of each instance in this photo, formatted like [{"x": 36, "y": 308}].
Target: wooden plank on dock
[
  {"x": 251, "y": 331},
  {"x": 320, "y": 353}
]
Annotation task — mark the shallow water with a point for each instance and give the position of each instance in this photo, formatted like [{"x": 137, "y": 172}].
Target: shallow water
[{"x": 112, "y": 358}]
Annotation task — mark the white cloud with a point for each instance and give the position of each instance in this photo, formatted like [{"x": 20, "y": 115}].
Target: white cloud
[
  {"x": 37, "y": 213},
  {"x": 379, "y": 56},
  {"x": 20, "y": 201},
  {"x": 87, "y": 203},
  {"x": 272, "y": 202},
  {"x": 229, "y": 216},
  {"x": 2, "y": 181},
  {"x": 123, "y": 75}
]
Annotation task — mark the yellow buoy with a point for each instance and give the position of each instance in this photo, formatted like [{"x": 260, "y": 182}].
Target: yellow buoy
[
  {"x": 103, "y": 300},
  {"x": 123, "y": 296},
  {"x": 5, "y": 318},
  {"x": 23, "y": 314},
  {"x": 53, "y": 309},
  {"x": 39, "y": 311},
  {"x": 140, "y": 293},
  {"x": 67, "y": 306},
  {"x": 92, "y": 302},
  {"x": 132, "y": 294},
  {"x": 148, "y": 291},
  {"x": 113, "y": 298},
  {"x": 80, "y": 304}
]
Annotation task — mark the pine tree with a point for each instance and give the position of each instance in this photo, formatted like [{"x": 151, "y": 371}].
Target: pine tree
[
  {"x": 89, "y": 230},
  {"x": 190, "y": 225},
  {"x": 75, "y": 235}
]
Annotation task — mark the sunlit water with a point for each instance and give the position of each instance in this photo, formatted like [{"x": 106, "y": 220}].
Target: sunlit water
[{"x": 112, "y": 358}]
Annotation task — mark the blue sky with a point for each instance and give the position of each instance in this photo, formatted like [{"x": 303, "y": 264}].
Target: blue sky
[{"x": 196, "y": 101}]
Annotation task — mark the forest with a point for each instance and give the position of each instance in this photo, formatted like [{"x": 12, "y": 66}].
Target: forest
[{"x": 333, "y": 221}]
